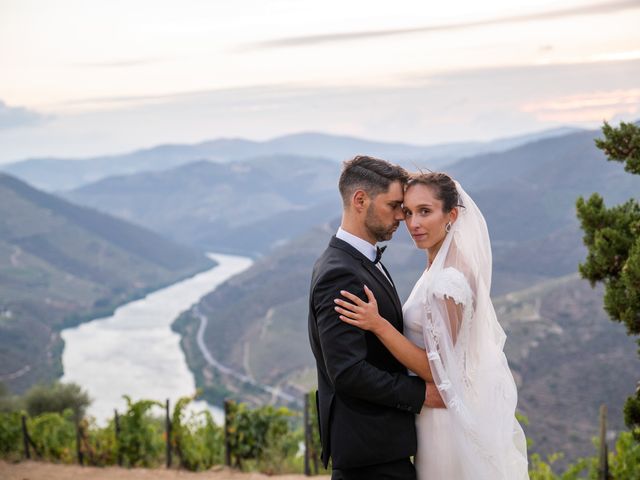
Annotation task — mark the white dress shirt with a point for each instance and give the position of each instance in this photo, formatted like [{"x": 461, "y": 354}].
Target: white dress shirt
[
  {"x": 358, "y": 243},
  {"x": 364, "y": 247}
]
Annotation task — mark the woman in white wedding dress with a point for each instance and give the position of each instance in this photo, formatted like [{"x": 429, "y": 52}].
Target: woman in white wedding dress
[{"x": 453, "y": 339}]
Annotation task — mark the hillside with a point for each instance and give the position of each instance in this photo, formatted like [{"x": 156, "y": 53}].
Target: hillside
[
  {"x": 530, "y": 191},
  {"x": 246, "y": 207},
  {"x": 61, "y": 264}
]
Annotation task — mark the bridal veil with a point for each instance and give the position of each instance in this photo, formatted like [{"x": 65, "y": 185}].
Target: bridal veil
[{"x": 464, "y": 344}]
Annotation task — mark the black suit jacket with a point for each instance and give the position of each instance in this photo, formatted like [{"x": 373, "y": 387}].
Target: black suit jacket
[{"x": 366, "y": 400}]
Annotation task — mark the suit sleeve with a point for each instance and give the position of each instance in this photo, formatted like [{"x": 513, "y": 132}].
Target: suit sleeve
[{"x": 345, "y": 350}]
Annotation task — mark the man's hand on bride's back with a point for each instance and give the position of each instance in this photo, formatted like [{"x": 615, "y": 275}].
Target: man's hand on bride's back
[
  {"x": 359, "y": 313},
  {"x": 433, "y": 400}
]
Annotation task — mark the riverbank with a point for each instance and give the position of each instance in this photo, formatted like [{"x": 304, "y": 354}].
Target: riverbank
[
  {"x": 135, "y": 352},
  {"x": 50, "y": 471}
]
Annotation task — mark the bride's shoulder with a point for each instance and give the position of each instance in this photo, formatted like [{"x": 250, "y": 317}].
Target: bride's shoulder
[{"x": 452, "y": 283}]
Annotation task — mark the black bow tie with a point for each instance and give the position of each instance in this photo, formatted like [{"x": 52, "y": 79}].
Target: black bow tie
[{"x": 379, "y": 252}]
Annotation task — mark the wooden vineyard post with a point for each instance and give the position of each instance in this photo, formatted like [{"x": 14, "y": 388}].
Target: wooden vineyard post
[
  {"x": 79, "y": 445},
  {"x": 117, "y": 425},
  {"x": 25, "y": 438},
  {"x": 168, "y": 432},
  {"x": 307, "y": 437},
  {"x": 227, "y": 435},
  {"x": 603, "y": 466}
]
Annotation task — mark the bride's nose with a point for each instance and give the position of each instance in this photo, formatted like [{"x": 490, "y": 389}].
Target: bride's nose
[{"x": 412, "y": 222}]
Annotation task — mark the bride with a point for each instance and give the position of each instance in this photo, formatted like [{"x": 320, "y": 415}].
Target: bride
[{"x": 453, "y": 339}]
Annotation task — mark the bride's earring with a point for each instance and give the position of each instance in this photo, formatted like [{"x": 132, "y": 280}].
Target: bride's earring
[{"x": 447, "y": 227}]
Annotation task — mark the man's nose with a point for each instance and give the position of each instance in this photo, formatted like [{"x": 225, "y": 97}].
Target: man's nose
[{"x": 399, "y": 214}]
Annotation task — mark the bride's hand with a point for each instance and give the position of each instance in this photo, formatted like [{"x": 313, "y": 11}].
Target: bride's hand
[{"x": 359, "y": 313}]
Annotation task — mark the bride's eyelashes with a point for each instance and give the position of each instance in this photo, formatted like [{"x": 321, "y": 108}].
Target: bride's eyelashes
[{"x": 422, "y": 212}]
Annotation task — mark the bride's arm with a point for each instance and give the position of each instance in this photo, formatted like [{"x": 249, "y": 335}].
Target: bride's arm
[
  {"x": 365, "y": 315},
  {"x": 454, "y": 312}
]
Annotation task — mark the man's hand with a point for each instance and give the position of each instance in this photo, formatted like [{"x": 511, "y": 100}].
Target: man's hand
[{"x": 434, "y": 400}]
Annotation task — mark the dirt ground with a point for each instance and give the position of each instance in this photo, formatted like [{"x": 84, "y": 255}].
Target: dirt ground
[{"x": 49, "y": 471}]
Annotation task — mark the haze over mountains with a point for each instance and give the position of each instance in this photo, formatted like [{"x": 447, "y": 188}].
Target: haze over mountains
[
  {"x": 61, "y": 264},
  {"x": 244, "y": 207},
  {"x": 54, "y": 174}
]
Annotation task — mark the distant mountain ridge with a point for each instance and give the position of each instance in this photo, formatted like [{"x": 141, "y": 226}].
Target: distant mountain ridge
[
  {"x": 61, "y": 264},
  {"x": 239, "y": 207},
  {"x": 55, "y": 174}
]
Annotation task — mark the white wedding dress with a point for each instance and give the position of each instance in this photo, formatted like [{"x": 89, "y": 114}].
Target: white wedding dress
[{"x": 449, "y": 313}]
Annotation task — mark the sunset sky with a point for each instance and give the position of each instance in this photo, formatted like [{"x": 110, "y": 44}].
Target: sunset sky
[{"x": 89, "y": 77}]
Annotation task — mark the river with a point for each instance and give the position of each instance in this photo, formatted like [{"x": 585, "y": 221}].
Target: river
[{"x": 135, "y": 352}]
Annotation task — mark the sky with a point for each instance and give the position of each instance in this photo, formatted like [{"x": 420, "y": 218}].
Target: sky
[{"x": 89, "y": 77}]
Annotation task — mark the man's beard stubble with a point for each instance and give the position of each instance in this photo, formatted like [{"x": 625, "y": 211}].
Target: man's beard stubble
[{"x": 376, "y": 228}]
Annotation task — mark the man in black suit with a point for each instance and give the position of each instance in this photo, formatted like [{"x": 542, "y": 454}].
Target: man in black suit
[{"x": 366, "y": 399}]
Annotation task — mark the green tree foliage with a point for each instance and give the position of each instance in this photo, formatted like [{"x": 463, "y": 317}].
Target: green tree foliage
[
  {"x": 612, "y": 237},
  {"x": 622, "y": 144},
  {"x": 141, "y": 436},
  {"x": 10, "y": 435},
  {"x": 540, "y": 469},
  {"x": 99, "y": 445},
  {"x": 624, "y": 463},
  {"x": 57, "y": 397},
  {"x": 263, "y": 438},
  {"x": 266, "y": 439},
  {"x": 316, "y": 444},
  {"x": 54, "y": 435},
  {"x": 196, "y": 439}
]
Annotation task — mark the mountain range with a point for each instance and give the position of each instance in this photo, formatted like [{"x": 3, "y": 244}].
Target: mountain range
[
  {"x": 245, "y": 206},
  {"x": 56, "y": 174}
]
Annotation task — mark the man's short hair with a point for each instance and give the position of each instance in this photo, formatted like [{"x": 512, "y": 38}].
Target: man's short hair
[{"x": 370, "y": 174}]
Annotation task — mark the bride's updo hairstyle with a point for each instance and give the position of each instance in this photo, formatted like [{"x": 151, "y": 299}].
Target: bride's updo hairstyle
[{"x": 442, "y": 186}]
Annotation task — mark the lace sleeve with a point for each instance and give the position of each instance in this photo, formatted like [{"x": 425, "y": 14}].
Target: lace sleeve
[
  {"x": 452, "y": 283},
  {"x": 452, "y": 288}
]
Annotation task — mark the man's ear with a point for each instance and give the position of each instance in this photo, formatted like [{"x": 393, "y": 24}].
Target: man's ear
[{"x": 360, "y": 200}]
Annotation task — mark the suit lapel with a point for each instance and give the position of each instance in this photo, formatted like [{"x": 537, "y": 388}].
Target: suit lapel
[
  {"x": 375, "y": 273},
  {"x": 384, "y": 282}
]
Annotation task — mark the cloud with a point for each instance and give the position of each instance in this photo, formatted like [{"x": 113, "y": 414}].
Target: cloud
[
  {"x": 586, "y": 107},
  {"x": 471, "y": 104},
  {"x": 225, "y": 95},
  {"x": 136, "y": 62},
  {"x": 13, "y": 117},
  {"x": 594, "y": 9},
  {"x": 586, "y": 74}
]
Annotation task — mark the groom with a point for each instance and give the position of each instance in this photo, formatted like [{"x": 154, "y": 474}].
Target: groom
[{"x": 366, "y": 400}]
